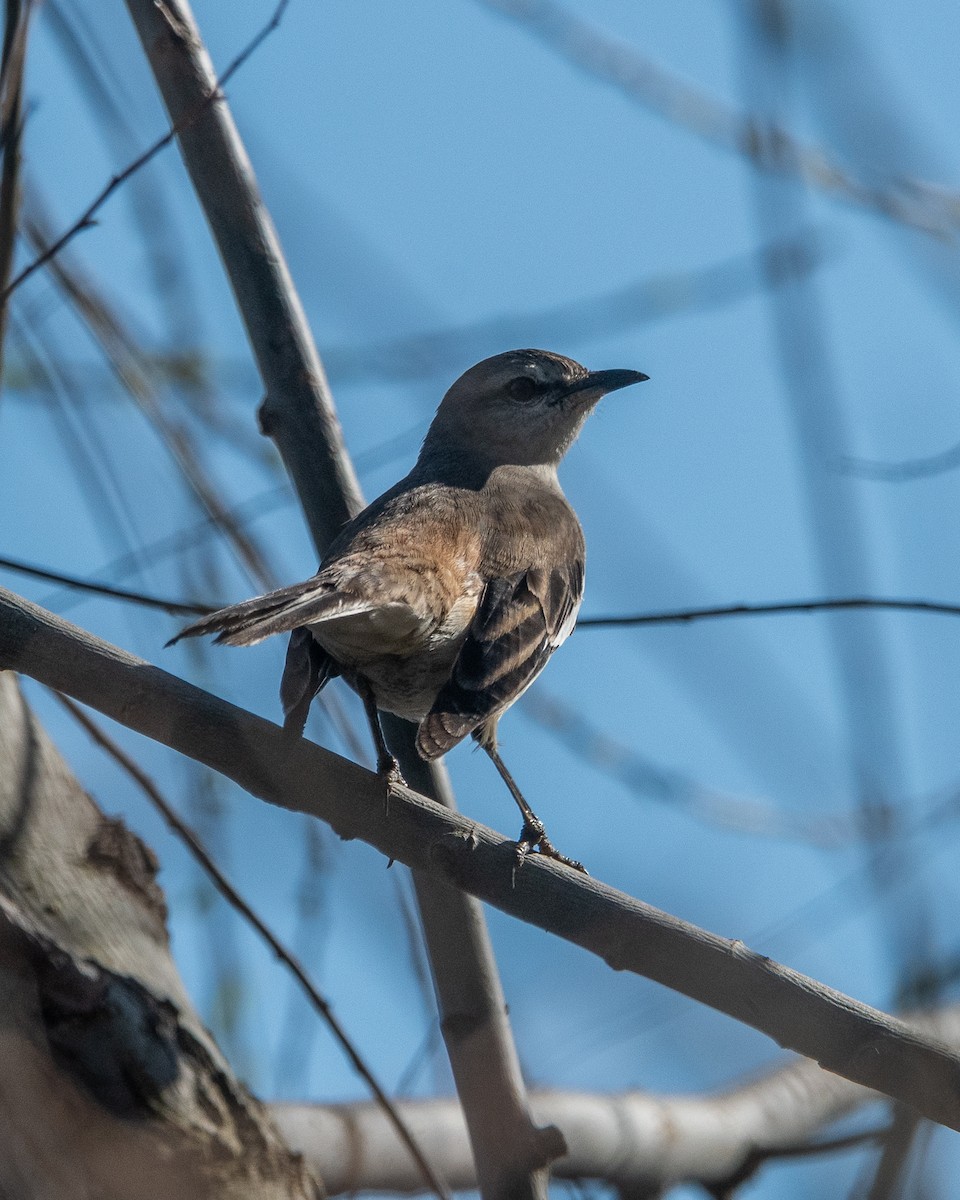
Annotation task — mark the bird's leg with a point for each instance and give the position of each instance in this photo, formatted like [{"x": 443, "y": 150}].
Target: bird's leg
[
  {"x": 387, "y": 766},
  {"x": 533, "y": 835}
]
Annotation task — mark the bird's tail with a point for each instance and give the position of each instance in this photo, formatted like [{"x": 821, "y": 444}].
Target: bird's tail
[{"x": 281, "y": 611}]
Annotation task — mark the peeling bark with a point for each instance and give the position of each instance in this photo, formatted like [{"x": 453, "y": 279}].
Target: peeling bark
[{"x": 110, "y": 1087}]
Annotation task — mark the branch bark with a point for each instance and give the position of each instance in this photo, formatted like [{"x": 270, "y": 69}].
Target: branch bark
[
  {"x": 298, "y": 413},
  {"x": 843, "y": 1035},
  {"x": 309, "y": 437},
  {"x": 635, "y": 1142},
  {"x": 109, "y": 1083}
]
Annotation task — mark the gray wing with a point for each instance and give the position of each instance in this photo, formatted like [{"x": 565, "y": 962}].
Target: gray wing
[
  {"x": 307, "y": 668},
  {"x": 519, "y": 623}
]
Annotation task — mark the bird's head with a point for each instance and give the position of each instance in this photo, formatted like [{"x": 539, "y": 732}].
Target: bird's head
[{"x": 524, "y": 407}]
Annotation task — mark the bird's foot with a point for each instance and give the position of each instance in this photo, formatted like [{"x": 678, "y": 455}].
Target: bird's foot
[
  {"x": 533, "y": 839},
  {"x": 389, "y": 771}
]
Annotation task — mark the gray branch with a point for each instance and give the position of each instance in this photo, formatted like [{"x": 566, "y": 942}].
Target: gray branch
[
  {"x": 841, "y": 1034},
  {"x": 268, "y": 302},
  {"x": 298, "y": 414}
]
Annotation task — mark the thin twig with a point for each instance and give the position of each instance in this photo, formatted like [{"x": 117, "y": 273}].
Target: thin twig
[
  {"x": 233, "y": 898},
  {"x": 185, "y": 608},
  {"x": 727, "y": 1189},
  {"x": 85, "y": 220},
  {"x": 678, "y": 616},
  {"x": 131, "y": 368},
  {"x": 904, "y": 471},
  {"x": 648, "y": 779},
  {"x": 421, "y": 355},
  {"x": 682, "y": 616},
  {"x": 17, "y": 19},
  {"x": 651, "y": 298},
  {"x": 825, "y": 1145}
]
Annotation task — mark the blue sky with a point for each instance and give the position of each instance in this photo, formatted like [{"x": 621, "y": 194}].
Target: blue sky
[{"x": 436, "y": 167}]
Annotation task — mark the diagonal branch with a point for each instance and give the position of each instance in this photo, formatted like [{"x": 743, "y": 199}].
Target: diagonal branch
[
  {"x": 132, "y": 369},
  {"x": 184, "y": 608},
  {"x": 86, "y": 218},
  {"x": 298, "y": 414},
  {"x": 843, "y": 1035}
]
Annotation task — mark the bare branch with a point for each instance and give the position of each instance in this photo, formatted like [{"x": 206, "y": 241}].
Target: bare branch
[
  {"x": 416, "y": 356},
  {"x": 842, "y": 1034},
  {"x": 180, "y": 607},
  {"x": 86, "y": 218},
  {"x": 890, "y": 1172},
  {"x": 226, "y": 889},
  {"x": 298, "y": 414},
  {"x": 16, "y": 23},
  {"x": 913, "y": 202},
  {"x": 904, "y": 471},
  {"x": 629, "y": 1141},
  {"x": 649, "y": 779},
  {"x": 683, "y": 616},
  {"x": 652, "y": 298},
  {"x": 132, "y": 369},
  {"x": 679, "y": 616},
  {"x": 224, "y": 180}
]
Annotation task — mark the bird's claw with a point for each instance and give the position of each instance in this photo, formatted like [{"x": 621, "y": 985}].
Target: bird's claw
[
  {"x": 388, "y": 768},
  {"x": 389, "y": 771},
  {"x": 533, "y": 839}
]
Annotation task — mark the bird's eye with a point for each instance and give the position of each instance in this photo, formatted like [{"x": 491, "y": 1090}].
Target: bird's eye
[{"x": 522, "y": 388}]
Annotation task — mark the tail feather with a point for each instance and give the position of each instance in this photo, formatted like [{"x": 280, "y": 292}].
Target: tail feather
[
  {"x": 441, "y": 731},
  {"x": 281, "y": 611},
  {"x": 242, "y": 624}
]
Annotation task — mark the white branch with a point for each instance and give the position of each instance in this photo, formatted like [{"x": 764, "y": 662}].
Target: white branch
[{"x": 631, "y": 1141}]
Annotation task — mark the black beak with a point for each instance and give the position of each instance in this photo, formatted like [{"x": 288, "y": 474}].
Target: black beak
[{"x": 606, "y": 381}]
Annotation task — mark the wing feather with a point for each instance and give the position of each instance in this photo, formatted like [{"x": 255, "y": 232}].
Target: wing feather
[{"x": 519, "y": 623}]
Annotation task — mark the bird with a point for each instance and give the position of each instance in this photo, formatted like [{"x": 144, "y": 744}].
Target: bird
[{"x": 444, "y": 599}]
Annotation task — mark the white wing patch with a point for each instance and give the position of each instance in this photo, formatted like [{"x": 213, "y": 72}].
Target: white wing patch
[{"x": 567, "y": 627}]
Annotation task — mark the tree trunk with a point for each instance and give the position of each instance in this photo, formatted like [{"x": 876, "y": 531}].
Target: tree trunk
[{"x": 110, "y": 1087}]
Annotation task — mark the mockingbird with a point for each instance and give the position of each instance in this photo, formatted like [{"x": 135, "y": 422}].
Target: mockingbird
[{"x": 443, "y": 600}]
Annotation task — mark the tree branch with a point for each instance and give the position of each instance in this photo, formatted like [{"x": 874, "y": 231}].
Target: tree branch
[
  {"x": 630, "y": 1141},
  {"x": 913, "y": 202},
  {"x": 16, "y": 24},
  {"x": 298, "y": 414},
  {"x": 266, "y": 298},
  {"x": 86, "y": 218},
  {"x": 675, "y": 616},
  {"x": 843, "y": 1035},
  {"x": 180, "y": 607},
  {"x": 683, "y": 616}
]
